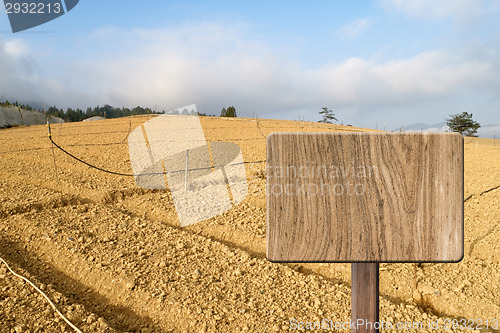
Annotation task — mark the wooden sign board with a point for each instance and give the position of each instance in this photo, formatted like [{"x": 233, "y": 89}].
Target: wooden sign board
[{"x": 365, "y": 197}]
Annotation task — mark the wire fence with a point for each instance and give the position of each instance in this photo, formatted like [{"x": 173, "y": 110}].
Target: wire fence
[
  {"x": 146, "y": 174},
  {"x": 259, "y": 127},
  {"x": 95, "y": 132},
  {"x": 119, "y": 173}
]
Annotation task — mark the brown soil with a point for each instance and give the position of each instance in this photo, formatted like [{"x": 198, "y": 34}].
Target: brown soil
[{"x": 113, "y": 258}]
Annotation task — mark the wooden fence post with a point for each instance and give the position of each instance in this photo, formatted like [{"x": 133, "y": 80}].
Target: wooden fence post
[{"x": 364, "y": 297}]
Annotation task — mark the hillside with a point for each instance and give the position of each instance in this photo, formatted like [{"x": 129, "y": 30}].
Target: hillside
[{"x": 113, "y": 257}]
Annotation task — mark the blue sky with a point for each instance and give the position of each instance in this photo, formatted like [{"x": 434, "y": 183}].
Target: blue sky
[{"x": 375, "y": 63}]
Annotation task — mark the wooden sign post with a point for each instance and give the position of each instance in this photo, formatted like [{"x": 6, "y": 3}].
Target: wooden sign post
[{"x": 365, "y": 198}]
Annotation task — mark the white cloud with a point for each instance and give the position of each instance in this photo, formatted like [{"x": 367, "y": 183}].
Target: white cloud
[
  {"x": 459, "y": 9},
  {"x": 16, "y": 48},
  {"x": 434, "y": 72},
  {"x": 428, "y": 75},
  {"x": 18, "y": 70},
  {"x": 199, "y": 63},
  {"x": 214, "y": 65},
  {"x": 355, "y": 28}
]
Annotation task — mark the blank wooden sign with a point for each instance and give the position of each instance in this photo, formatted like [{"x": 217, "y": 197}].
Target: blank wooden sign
[{"x": 365, "y": 197}]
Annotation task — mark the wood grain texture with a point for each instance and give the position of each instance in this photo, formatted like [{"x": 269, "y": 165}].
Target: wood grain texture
[
  {"x": 365, "y": 297},
  {"x": 365, "y": 197}
]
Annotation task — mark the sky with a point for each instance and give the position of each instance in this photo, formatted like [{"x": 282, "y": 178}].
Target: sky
[{"x": 377, "y": 64}]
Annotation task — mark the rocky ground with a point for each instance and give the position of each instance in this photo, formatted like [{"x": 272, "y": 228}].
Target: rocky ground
[{"x": 112, "y": 256}]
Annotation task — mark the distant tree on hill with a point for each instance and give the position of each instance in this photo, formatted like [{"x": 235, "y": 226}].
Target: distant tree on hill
[
  {"x": 71, "y": 115},
  {"x": 463, "y": 123},
  {"x": 229, "y": 112},
  {"x": 54, "y": 111},
  {"x": 327, "y": 115}
]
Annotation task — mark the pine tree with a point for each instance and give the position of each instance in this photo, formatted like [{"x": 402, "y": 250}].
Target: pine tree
[
  {"x": 463, "y": 124},
  {"x": 327, "y": 115},
  {"x": 229, "y": 112}
]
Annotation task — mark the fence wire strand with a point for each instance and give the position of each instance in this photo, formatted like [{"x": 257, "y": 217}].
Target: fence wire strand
[
  {"x": 145, "y": 174},
  {"x": 123, "y": 174}
]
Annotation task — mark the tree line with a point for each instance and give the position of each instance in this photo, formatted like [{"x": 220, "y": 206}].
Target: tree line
[
  {"x": 71, "y": 115},
  {"x": 106, "y": 111}
]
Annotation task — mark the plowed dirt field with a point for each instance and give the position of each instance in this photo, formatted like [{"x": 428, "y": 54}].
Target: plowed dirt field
[{"x": 113, "y": 258}]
